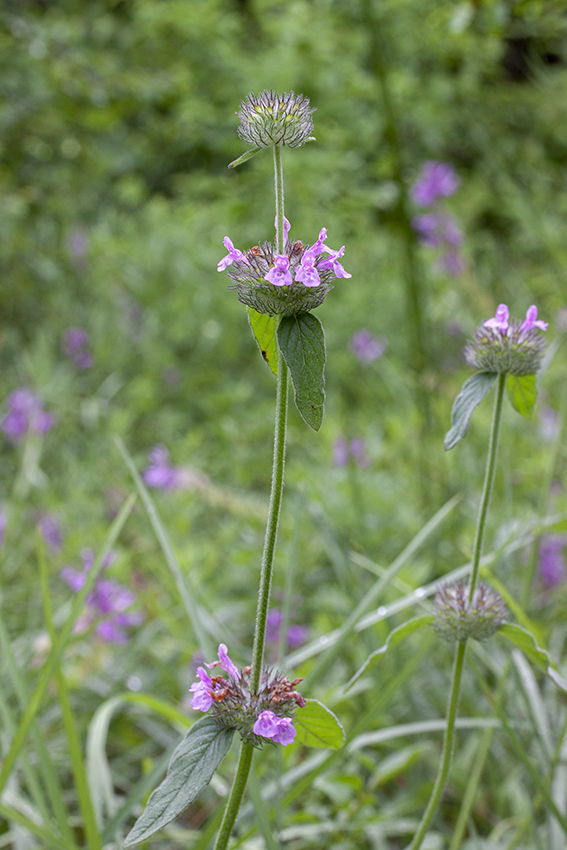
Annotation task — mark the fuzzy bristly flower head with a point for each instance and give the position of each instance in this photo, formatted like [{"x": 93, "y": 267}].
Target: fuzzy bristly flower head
[
  {"x": 283, "y": 284},
  {"x": 457, "y": 619},
  {"x": 267, "y": 714},
  {"x": 501, "y": 345},
  {"x": 276, "y": 119}
]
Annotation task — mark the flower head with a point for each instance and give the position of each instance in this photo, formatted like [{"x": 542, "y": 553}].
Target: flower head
[
  {"x": 275, "y": 119},
  {"x": 436, "y": 180},
  {"x": 266, "y": 714},
  {"x": 457, "y": 619},
  {"x": 501, "y": 345},
  {"x": 284, "y": 284}
]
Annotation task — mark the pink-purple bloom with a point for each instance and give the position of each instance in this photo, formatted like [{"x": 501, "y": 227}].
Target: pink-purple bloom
[
  {"x": 367, "y": 347},
  {"x": 435, "y": 180},
  {"x": 234, "y": 254},
  {"x": 75, "y": 343},
  {"x": 344, "y": 450},
  {"x": 306, "y": 273},
  {"x": 160, "y": 473},
  {"x": 279, "y": 275},
  {"x": 551, "y": 559},
  {"x": 332, "y": 262},
  {"x": 107, "y": 603},
  {"x": 25, "y": 415},
  {"x": 279, "y": 729},
  {"x": 50, "y": 530},
  {"x": 501, "y": 321},
  {"x": 296, "y": 634},
  {"x": 3, "y": 523},
  {"x": 201, "y": 690}
]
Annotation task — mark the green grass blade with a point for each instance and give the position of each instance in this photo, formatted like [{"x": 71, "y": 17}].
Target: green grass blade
[
  {"x": 11, "y": 814},
  {"x": 205, "y": 643}
]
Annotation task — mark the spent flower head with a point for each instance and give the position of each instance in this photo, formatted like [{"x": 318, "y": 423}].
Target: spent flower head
[
  {"x": 457, "y": 619},
  {"x": 267, "y": 714},
  {"x": 283, "y": 284},
  {"x": 276, "y": 119},
  {"x": 502, "y": 345}
]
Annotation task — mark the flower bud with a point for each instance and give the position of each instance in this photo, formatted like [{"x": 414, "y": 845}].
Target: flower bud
[
  {"x": 275, "y": 119},
  {"x": 457, "y": 619},
  {"x": 500, "y": 345}
]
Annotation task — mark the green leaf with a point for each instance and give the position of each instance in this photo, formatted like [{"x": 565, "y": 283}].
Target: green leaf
[
  {"x": 473, "y": 392},
  {"x": 522, "y": 392},
  {"x": 317, "y": 726},
  {"x": 394, "y": 638},
  {"x": 525, "y": 641},
  {"x": 264, "y": 329},
  {"x": 244, "y": 158},
  {"x": 302, "y": 344},
  {"x": 191, "y": 767}
]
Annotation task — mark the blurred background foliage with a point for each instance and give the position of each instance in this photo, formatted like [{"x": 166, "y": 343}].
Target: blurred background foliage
[{"x": 117, "y": 124}]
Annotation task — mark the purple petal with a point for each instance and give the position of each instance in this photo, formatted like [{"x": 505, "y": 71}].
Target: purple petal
[
  {"x": 227, "y": 665},
  {"x": 266, "y": 725}
]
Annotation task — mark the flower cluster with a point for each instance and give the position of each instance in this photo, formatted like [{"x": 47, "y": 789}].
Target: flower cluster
[
  {"x": 276, "y": 119},
  {"x": 501, "y": 345},
  {"x": 439, "y": 229},
  {"x": 75, "y": 342},
  {"x": 367, "y": 347},
  {"x": 107, "y": 602},
  {"x": 25, "y": 415},
  {"x": 457, "y": 619},
  {"x": 267, "y": 714},
  {"x": 283, "y": 284}
]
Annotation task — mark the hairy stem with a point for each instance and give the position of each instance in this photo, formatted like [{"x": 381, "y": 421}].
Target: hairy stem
[
  {"x": 457, "y": 676},
  {"x": 274, "y": 509}
]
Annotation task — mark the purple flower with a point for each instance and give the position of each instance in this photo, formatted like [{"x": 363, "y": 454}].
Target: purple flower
[
  {"x": 280, "y": 274},
  {"x": 25, "y": 414},
  {"x": 306, "y": 273},
  {"x": 202, "y": 698},
  {"x": 280, "y": 729},
  {"x": 160, "y": 473},
  {"x": 343, "y": 451},
  {"x": 233, "y": 254},
  {"x": 51, "y": 532},
  {"x": 332, "y": 262},
  {"x": 226, "y": 663},
  {"x": 551, "y": 559},
  {"x": 532, "y": 321},
  {"x": 453, "y": 262},
  {"x": 286, "y": 228},
  {"x": 296, "y": 635},
  {"x": 367, "y": 347},
  {"x": 3, "y": 523},
  {"x": 107, "y": 602},
  {"x": 75, "y": 341},
  {"x": 437, "y": 229},
  {"x": 435, "y": 180},
  {"x": 501, "y": 319}
]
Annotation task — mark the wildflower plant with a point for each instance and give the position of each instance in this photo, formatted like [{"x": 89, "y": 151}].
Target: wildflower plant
[{"x": 280, "y": 282}]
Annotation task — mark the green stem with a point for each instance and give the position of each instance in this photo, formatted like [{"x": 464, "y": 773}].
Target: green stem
[
  {"x": 274, "y": 509},
  {"x": 455, "y": 689},
  {"x": 233, "y": 805}
]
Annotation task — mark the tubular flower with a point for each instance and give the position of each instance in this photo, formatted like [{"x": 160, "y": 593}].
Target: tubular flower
[
  {"x": 267, "y": 714},
  {"x": 456, "y": 619},
  {"x": 283, "y": 284},
  {"x": 276, "y": 119},
  {"x": 501, "y": 345}
]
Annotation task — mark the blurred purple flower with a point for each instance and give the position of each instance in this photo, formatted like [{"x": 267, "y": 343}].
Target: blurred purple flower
[
  {"x": 3, "y": 523},
  {"x": 367, "y": 347},
  {"x": 435, "y": 180},
  {"x": 51, "y": 532},
  {"x": 438, "y": 229},
  {"x": 551, "y": 559},
  {"x": 160, "y": 473},
  {"x": 296, "y": 634},
  {"x": 107, "y": 602},
  {"x": 343, "y": 451},
  {"x": 453, "y": 262},
  {"x": 548, "y": 423},
  {"x": 25, "y": 414},
  {"x": 75, "y": 341},
  {"x": 78, "y": 244}
]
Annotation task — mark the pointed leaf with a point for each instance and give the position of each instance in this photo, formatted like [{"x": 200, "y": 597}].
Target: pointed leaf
[
  {"x": 264, "y": 330},
  {"x": 471, "y": 395},
  {"x": 522, "y": 392},
  {"x": 393, "y": 639},
  {"x": 191, "y": 767},
  {"x": 525, "y": 641},
  {"x": 302, "y": 344},
  {"x": 317, "y": 726},
  {"x": 244, "y": 158}
]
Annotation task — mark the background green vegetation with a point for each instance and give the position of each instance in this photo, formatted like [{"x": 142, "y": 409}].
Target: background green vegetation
[{"x": 116, "y": 128}]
